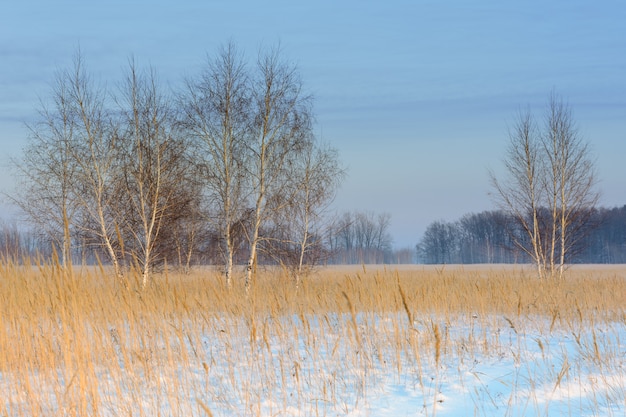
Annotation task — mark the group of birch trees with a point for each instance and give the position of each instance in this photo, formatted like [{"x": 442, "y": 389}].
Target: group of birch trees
[
  {"x": 548, "y": 186},
  {"x": 546, "y": 198},
  {"x": 145, "y": 175}
]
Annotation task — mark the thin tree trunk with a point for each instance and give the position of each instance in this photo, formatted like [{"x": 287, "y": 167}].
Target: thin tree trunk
[
  {"x": 301, "y": 258},
  {"x": 109, "y": 247},
  {"x": 539, "y": 259},
  {"x": 67, "y": 241},
  {"x": 563, "y": 233},
  {"x": 229, "y": 256},
  {"x": 251, "y": 268}
]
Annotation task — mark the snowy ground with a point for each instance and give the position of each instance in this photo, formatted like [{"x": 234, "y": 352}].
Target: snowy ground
[
  {"x": 495, "y": 369},
  {"x": 366, "y": 364}
]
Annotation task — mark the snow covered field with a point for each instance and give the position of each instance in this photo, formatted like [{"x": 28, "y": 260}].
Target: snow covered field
[
  {"x": 356, "y": 362},
  {"x": 487, "y": 367}
]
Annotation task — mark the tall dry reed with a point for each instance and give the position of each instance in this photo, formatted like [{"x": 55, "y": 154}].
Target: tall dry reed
[{"x": 78, "y": 343}]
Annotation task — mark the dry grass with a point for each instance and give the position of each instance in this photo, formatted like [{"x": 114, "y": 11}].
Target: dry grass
[{"x": 79, "y": 344}]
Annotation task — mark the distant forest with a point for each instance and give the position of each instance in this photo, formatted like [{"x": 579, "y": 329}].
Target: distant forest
[
  {"x": 496, "y": 237},
  {"x": 364, "y": 238}
]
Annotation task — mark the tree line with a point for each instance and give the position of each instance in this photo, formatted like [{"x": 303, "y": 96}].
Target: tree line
[
  {"x": 226, "y": 169},
  {"x": 493, "y": 237}
]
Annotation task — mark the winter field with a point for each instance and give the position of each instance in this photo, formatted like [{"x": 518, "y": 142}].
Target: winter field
[{"x": 353, "y": 341}]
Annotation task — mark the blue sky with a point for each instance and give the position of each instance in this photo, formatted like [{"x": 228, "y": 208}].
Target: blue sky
[{"x": 416, "y": 95}]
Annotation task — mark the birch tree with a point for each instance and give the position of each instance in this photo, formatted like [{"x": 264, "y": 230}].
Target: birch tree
[
  {"x": 95, "y": 154},
  {"x": 569, "y": 183},
  {"x": 152, "y": 166},
  {"x": 319, "y": 175},
  {"x": 282, "y": 124},
  {"x": 58, "y": 193},
  {"x": 217, "y": 113},
  {"x": 316, "y": 175},
  {"x": 521, "y": 193},
  {"x": 68, "y": 168},
  {"x": 47, "y": 173}
]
